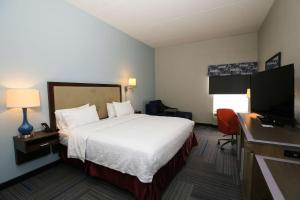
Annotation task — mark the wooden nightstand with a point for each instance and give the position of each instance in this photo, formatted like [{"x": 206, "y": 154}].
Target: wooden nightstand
[{"x": 37, "y": 145}]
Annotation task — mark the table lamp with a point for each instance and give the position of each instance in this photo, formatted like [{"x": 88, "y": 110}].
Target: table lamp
[{"x": 23, "y": 98}]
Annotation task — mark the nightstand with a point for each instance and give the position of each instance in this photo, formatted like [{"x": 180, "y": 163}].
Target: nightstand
[
  {"x": 138, "y": 112},
  {"x": 37, "y": 145}
]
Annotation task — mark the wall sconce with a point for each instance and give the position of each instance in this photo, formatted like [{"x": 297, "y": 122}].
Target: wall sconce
[
  {"x": 248, "y": 93},
  {"x": 131, "y": 84},
  {"x": 23, "y": 98},
  {"x": 249, "y": 96}
]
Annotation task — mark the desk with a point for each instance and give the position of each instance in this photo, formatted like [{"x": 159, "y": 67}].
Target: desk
[
  {"x": 275, "y": 178},
  {"x": 257, "y": 140}
]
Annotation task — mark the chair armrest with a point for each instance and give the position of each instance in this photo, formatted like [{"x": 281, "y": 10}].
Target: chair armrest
[
  {"x": 167, "y": 107},
  {"x": 171, "y": 110}
]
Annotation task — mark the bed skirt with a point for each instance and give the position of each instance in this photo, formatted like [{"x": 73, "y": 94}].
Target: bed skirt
[{"x": 141, "y": 191}]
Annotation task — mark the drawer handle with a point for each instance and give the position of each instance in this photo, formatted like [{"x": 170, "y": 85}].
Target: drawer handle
[{"x": 45, "y": 144}]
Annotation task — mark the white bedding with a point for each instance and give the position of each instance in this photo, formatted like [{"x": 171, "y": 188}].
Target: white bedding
[
  {"x": 138, "y": 145},
  {"x": 63, "y": 138}
]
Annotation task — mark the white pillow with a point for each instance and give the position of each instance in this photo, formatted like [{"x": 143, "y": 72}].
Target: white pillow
[
  {"x": 58, "y": 116},
  {"x": 110, "y": 110},
  {"x": 79, "y": 117},
  {"x": 124, "y": 108}
]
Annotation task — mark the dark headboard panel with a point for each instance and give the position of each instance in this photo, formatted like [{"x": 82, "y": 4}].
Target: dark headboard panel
[{"x": 63, "y": 95}]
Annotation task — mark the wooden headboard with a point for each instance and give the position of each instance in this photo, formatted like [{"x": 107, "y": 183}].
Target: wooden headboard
[{"x": 63, "y": 95}]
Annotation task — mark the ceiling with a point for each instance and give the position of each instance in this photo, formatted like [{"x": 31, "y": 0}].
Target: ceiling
[{"x": 170, "y": 22}]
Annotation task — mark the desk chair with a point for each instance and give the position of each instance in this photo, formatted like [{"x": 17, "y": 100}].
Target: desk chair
[{"x": 227, "y": 124}]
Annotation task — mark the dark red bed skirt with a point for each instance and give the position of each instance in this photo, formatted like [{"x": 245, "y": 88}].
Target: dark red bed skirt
[{"x": 141, "y": 191}]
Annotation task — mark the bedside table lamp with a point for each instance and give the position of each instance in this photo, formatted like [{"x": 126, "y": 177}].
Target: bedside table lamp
[{"x": 23, "y": 98}]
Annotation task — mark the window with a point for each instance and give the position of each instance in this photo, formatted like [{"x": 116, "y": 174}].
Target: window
[{"x": 237, "y": 102}]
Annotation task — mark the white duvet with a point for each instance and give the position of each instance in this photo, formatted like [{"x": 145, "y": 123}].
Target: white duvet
[{"x": 138, "y": 145}]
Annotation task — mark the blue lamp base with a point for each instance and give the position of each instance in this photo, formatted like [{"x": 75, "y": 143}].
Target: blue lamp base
[{"x": 25, "y": 128}]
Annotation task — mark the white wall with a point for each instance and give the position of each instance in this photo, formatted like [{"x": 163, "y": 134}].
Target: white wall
[
  {"x": 181, "y": 71},
  {"x": 281, "y": 32},
  {"x": 51, "y": 40}
]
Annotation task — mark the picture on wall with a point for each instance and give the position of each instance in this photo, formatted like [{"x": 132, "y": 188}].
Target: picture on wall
[{"x": 274, "y": 62}]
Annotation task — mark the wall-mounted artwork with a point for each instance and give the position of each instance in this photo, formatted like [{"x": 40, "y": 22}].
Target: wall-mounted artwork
[{"x": 274, "y": 62}]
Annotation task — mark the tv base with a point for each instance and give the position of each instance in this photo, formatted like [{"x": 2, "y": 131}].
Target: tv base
[{"x": 269, "y": 120}]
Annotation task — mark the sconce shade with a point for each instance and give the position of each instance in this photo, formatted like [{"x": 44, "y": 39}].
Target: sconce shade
[
  {"x": 248, "y": 92},
  {"x": 22, "y": 98},
  {"x": 131, "y": 82}
]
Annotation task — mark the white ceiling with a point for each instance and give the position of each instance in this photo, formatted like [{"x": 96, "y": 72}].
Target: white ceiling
[{"x": 170, "y": 22}]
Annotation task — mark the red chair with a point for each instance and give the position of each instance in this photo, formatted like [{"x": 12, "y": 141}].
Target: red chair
[{"x": 227, "y": 124}]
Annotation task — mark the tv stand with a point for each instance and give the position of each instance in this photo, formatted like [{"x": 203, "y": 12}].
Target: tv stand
[
  {"x": 265, "y": 120},
  {"x": 278, "y": 142}
]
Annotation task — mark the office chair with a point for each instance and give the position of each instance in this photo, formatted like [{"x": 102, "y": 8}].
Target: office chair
[{"x": 227, "y": 124}]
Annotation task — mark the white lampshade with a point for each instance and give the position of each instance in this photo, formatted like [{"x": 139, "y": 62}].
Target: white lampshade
[
  {"x": 132, "y": 82},
  {"x": 22, "y": 98},
  {"x": 248, "y": 93}
]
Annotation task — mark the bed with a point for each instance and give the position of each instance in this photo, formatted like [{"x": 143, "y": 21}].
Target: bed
[{"x": 138, "y": 152}]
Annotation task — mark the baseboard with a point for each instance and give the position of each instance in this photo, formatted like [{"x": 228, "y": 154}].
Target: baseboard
[
  {"x": 27, "y": 175},
  {"x": 207, "y": 124}
]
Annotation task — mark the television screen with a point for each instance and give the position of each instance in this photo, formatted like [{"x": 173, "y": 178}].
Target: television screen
[{"x": 272, "y": 92}]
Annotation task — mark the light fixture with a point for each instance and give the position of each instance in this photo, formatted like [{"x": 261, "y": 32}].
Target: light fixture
[
  {"x": 23, "y": 98},
  {"x": 249, "y": 96},
  {"x": 248, "y": 92},
  {"x": 131, "y": 84}
]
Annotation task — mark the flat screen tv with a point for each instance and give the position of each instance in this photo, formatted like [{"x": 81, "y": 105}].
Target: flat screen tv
[{"x": 272, "y": 93}]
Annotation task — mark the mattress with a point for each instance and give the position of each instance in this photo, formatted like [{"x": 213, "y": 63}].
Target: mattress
[{"x": 138, "y": 145}]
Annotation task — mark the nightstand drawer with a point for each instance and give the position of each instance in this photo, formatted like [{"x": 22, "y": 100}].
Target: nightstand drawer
[
  {"x": 39, "y": 144},
  {"x": 34, "y": 145}
]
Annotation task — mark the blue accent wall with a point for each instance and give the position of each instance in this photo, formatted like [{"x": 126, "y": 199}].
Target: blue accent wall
[{"x": 50, "y": 40}]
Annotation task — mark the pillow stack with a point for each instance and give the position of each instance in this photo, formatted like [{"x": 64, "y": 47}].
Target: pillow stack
[
  {"x": 117, "y": 109},
  {"x": 74, "y": 117}
]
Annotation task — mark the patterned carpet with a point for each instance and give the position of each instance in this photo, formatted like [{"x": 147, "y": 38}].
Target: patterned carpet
[{"x": 209, "y": 174}]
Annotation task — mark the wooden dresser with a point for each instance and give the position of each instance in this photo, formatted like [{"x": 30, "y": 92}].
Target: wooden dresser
[
  {"x": 275, "y": 178},
  {"x": 254, "y": 139}
]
